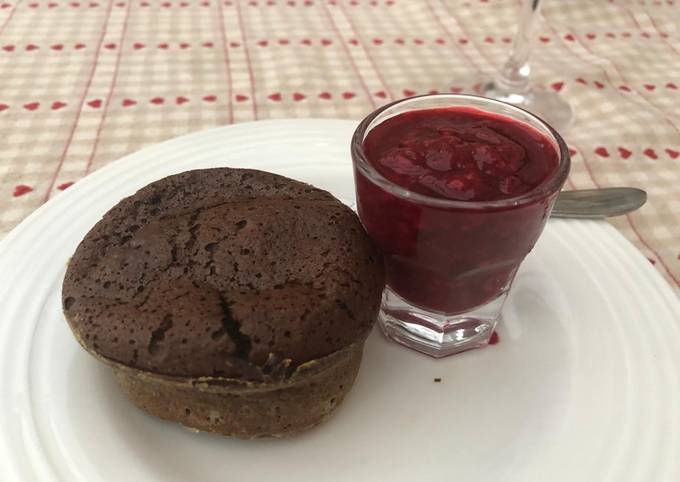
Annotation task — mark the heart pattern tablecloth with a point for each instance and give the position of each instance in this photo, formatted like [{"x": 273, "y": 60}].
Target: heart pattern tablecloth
[{"x": 86, "y": 82}]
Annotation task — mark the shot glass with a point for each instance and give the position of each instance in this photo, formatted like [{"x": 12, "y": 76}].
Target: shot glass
[{"x": 449, "y": 263}]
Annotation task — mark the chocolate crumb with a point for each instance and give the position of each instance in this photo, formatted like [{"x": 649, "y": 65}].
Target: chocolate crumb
[{"x": 437, "y": 380}]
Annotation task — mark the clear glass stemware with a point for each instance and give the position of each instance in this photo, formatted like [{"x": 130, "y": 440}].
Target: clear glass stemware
[{"x": 512, "y": 84}]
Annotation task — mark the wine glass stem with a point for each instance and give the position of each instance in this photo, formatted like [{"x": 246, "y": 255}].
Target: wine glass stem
[{"x": 513, "y": 77}]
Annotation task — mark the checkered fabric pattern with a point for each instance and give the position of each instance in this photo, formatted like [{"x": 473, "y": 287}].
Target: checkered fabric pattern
[{"x": 85, "y": 82}]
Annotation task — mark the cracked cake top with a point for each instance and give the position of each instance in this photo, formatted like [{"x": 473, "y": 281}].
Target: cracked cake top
[{"x": 223, "y": 272}]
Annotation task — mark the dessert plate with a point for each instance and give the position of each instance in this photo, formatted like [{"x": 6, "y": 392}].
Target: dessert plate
[{"x": 584, "y": 383}]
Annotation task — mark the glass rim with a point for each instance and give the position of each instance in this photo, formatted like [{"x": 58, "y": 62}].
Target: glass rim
[{"x": 549, "y": 185}]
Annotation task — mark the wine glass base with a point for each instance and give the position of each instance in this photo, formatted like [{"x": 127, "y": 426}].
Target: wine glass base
[{"x": 545, "y": 104}]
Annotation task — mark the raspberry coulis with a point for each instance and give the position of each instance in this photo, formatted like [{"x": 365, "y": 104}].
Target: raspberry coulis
[
  {"x": 451, "y": 259},
  {"x": 460, "y": 153}
]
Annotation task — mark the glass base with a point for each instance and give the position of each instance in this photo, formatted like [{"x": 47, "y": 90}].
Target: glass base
[
  {"x": 546, "y": 104},
  {"x": 437, "y": 334}
]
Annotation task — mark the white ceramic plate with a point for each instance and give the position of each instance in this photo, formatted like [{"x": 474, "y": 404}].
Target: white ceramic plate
[{"x": 583, "y": 386}]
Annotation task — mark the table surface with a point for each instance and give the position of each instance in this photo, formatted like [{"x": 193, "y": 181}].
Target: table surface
[{"x": 85, "y": 82}]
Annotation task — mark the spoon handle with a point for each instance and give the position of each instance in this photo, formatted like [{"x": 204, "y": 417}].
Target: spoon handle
[{"x": 598, "y": 203}]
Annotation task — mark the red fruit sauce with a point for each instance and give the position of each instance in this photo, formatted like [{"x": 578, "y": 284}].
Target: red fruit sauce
[{"x": 451, "y": 259}]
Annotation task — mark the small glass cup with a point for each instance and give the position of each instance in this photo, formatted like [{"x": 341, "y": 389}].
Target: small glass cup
[{"x": 449, "y": 264}]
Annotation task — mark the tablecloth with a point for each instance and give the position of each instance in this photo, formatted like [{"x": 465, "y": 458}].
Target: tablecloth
[{"x": 86, "y": 82}]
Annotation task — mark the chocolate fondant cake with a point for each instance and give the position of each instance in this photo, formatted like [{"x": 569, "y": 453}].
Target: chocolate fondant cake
[{"x": 230, "y": 300}]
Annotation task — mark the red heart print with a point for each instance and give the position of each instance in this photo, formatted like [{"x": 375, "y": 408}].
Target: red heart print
[
  {"x": 276, "y": 97},
  {"x": 488, "y": 40},
  {"x": 51, "y": 5},
  {"x": 184, "y": 45},
  {"x": 120, "y": 5},
  {"x": 166, "y": 4},
  {"x": 671, "y": 85},
  {"x": 409, "y": 93},
  {"x": 610, "y": 35},
  {"x": 241, "y": 98},
  {"x": 581, "y": 80},
  {"x": 181, "y": 100},
  {"x": 601, "y": 151},
  {"x": 208, "y": 45},
  {"x": 128, "y": 102},
  {"x": 645, "y": 34},
  {"x": 33, "y": 5},
  {"x": 144, "y": 4},
  {"x": 157, "y": 100},
  {"x": 348, "y": 95},
  {"x": 673, "y": 153},
  {"x": 418, "y": 41},
  {"x": 377, "y": 41},
  {"x": 3, "y": 107},
  {"x": 64, "y": 186},
  {"x": 626, "y": 34},
  {"x": 210, "y": 98},
  {"x": 5, "y": 5},
  {"x": 650, "y": 153},
  {"x": 591, "y": 36},
  {"x": 624, "y": 88},
  {"x": 95, "y": 104},
  {"x": 326, "y": 42},
  {"x": 557, "y": 86},
  {"x": 234, "y": 44},
  {"x": 545, "y": 40},
  {"x": 297, "y": 97},
  {"x": 625, "y": 153},
  {"x": 57, "y": 47},
  {"x": 284, "y": 41},
  {"x": 8, "y": 48},
  {"x": 325, "y": 95},
  {"x": 381, "y": 93},
  {"x": 56, "y": 105},
  {"x": 94, "y": 4},
  {"x": 110, "y": 46},
  {"x": 306, "y": 41},
  {"x": 433, "y": 92},
  {"x": 183, "y": 4},
  {"x": 440, "y": 41},
  {"x": 650, "y": 86},
  {"x": 263, "y": 43},
  {"x": 506, "y": 40},
  {"x": 74, "y": 4},
  {"x": 138, "y": 45},
  {"x": 163, "y": 46},
  {"x": 205, "y": 4},
  {"x": 456, "y": 90},
  {"x": 79, "y": 46},
  {"x": 399, "y": 41},
  {"x": 30, "y": 47},
  {"x": 32, "y": 105},
  {"x": 21, "y": 189},
  {"x": 599, "y": 84},
  {"x": 462, "y": 41},
  {"x": 569, "y": 37}
]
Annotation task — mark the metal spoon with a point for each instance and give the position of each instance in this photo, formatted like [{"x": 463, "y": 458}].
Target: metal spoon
[{"x": 598, "y": 203}]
